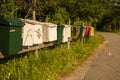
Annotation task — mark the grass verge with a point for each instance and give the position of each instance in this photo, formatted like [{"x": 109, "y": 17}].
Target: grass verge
[{"x": 54, "y": 61}]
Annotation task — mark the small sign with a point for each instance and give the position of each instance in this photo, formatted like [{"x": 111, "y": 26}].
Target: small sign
[{"x": 13, "y": 30}]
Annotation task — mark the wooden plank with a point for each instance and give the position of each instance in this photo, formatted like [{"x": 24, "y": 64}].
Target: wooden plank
[{"x": 35, "y": 48}]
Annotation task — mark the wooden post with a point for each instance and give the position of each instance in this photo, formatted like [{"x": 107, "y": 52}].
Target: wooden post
[
  {"x": 119, "y": 26},
  {"x": 36, "y": 53},
  {"x": 82, "y": 40},
  {"x": 34, "y": 18},
  {"x": 69, "y": 22},
  {"x": 69, "y": 39},
  {"x": 1, "y": 1},
  {"x": 34, "y": 8},
  {"x": 1, "y": 55}
]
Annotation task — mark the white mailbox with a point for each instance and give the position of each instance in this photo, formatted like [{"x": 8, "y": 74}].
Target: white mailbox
[
  {"x": 27, "y": 34},
  {"x": 35, "y": 33},
  {"x": 66, "y": 33},
  {"x": 50, "y": 32},
  {"x": 38, "y": 34}
]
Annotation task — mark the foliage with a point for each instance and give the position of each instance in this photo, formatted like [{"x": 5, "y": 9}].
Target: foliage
[
  {"x": 8, "y": 9},
  {"x": 110, "y": 21},
  {"x": 60, "y": 16},
  {"x": 52, "y": 62},
  {"x": 93, "y": 12}
]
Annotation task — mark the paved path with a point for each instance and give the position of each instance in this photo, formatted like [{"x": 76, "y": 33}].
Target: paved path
[{"x": 104, "y": 65}]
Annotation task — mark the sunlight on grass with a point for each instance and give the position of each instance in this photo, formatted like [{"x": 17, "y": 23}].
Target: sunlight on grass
[{"x": 52, "y": 62}]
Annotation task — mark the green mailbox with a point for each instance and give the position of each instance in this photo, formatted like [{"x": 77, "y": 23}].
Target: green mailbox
[
  {"x": 11, "y": 35},
  {"x": 60, "y": 28},
  {"x": 72, "y": 31},
  {"x": 82, "y": 31}
]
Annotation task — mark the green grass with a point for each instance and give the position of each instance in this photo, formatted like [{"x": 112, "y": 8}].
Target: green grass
[
  {"x": 118, "y": 33},
  {"x": 52, "y": 62}
]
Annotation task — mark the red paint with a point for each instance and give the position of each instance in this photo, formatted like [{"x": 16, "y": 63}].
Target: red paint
[{"x": 86, "y": 30}]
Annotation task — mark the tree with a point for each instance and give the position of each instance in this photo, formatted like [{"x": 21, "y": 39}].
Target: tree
[
  {"x": 8, "y": 8},
  {"x": 60, "y": 11},
  {"x": 1, "y": 1}
]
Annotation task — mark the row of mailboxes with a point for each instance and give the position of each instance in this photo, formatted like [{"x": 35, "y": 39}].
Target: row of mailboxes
[
  {"x": 17, "y": 33},
  {"x": 81, "y": 31},
  {"x": 35, "y": 32}
]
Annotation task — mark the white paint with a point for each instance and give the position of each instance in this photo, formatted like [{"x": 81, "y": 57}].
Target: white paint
[
  {"x": 66, "y": 33},
  {"x": 50, "y": 32},
  {"x": 38, "y": 33},
  {"x": 12, "y": 30},
  {"x": 28, "y": 30}
]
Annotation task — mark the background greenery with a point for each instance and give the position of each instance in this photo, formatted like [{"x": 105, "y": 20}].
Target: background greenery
[{"x": 102, "y": 14}]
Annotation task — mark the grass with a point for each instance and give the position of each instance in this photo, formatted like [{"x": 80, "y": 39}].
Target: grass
[
  {"x": 52, "y": 62},
  {"x": 118, "y": 33}
]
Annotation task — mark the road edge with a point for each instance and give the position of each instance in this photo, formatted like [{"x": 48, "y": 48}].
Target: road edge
[{"x": 80, "y": 71}]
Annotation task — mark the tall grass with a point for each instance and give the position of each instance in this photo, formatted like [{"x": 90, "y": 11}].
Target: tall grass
[{"x": 52, "y": 62}]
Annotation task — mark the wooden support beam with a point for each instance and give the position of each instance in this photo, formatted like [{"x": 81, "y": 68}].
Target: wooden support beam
[
  {"x": 34, "y": 9},
  {"x": 36, "y": 54},
  {"x": 33, "y": 48},
  {"x": 68, "y": 43}
]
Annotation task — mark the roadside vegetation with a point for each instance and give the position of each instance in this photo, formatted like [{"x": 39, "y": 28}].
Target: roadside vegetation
[{"x": 52, "y": 62}]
